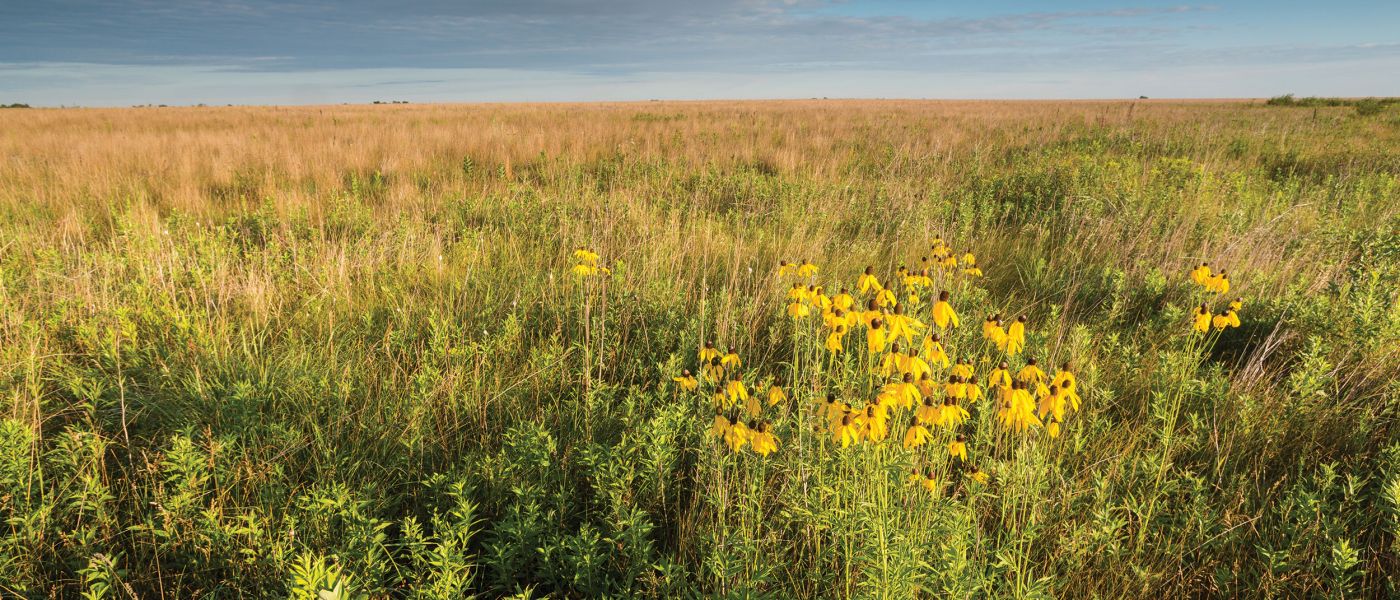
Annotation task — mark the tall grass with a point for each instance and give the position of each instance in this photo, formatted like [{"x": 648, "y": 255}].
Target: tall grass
[{"x": 273, "y": 351}]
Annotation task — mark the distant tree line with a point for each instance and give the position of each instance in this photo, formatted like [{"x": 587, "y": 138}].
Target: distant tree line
[
  {"x": 1364, "y": 106},
  {"x": 14, "y": 105}
]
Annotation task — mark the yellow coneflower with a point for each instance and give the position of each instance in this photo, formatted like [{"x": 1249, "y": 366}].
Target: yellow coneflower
[
  {"x": 901, "y": 272},
  {"x": 1201, "y": 274},
  {"x": 708, "y": 352},
  {"x": 943, "y": 313},
  {"x": 1222, "y": 320},
  {"x": 1234, "y": 318},
  {"x": 1016, "y": 409},
  {"x": 933, "y": 350},
  {"x": 963, "y": 368},
  {"x": 974, "y": 392},
  {"x": 902, "y": 393},
  {"x": 1202, "y": 319},
  {"x": 1000, "y": 376},
  {"x": 846, "y": 432},
  {"x": 1218, "y": 283},
  {"x": 686, "y": 381},
  {"x": 585, "y": 270},
  {"x": 712, "y": 370},
  {"x": 776, "y": 395},
  {"x": 843, "y": 301},
  {"x": 731, "y": 359},
  {"x": 807, "y": 269},
  {"x": 951, "y": 414},
  {"x": 868, "y": 282},
  {"x": 798, "y": 310},
  {"x": 916, "y": 435},
  {"x": 763, "y": 441},
  {"x": 928, "y": 412},
  {"x": 1053, "y": 427},
  {"x": 885, "y": 298},
  {"x": 889, "y": 364},
  {"x": 586, "y": 256},
  {"x": 835, "y": 340},
  {"x": 977, "y": 475},
  {"x": 752, "y": 406},
  {"x": 955, "y": 388},
  {"x": 721, "y": 400},
  {"x": 1016, "y": 336},
  {"x": 1237, "y": 304},
  {"x": 875, "y": 339},
  {"x": 1052, "y": 403},
  {"x": 1030, "y": 374},
  {"x": 736, "y": 435},
  {"x": 957, "y": 449},
  {"x": 970, "y": 266},
  {"x": 876, "y": 421},
  {"x": 719, "y": 427},
  {"x": 993, "y": 332},
  {"x": 904, "y": 326},
  {"x": 736, "y": 390},
  {"x": 786, "y": 268}
]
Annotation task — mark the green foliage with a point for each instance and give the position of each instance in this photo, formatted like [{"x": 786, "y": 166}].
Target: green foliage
[{"x": 399, "y": 390}]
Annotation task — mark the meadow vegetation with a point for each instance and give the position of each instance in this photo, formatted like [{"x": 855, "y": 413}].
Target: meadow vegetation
[{"x": 347, "y": 352}]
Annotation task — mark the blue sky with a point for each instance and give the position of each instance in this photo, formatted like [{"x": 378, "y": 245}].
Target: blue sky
[{"x": 122, "y": 52}]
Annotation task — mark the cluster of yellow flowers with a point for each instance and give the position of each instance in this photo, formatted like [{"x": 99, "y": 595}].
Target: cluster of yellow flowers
[
  {"x": 917, "y": 383},
  {"x": 730, "y": 394},
  {"x": 1204, "y": 319},
  {"x": 586, "y": 264}
]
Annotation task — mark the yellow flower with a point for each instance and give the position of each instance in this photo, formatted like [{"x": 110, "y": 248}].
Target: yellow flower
[
  {"x": 843, "y": 301},
  {"x": 958, "y": 448},
  {"x": 1201, "y": 274},
  {"x": 1202, "y": 319},
  {"x": 951, "y": 414},
  {"x": 1053, "y": 427},
  {"x": 736, "y": 390},
  {"x": 807, "y": 269},
  {"x": 708, "y": 352},
  {"x": 762, "y": 440},
  {"x": 993, "y": 332},
  {"x": 835, "y": 338},
  {"x": 719, "y": 427},
  {"x": 977, "y": 475},
  {"x": 917, "y": 435},
  {"x": 1221, "y": 321},
  {"x": 752, "y": 407},
  {"x": 928, "y": 412},
  {"x": 776, "y": 395},
  {"x": 1237, "y": 304},
  {"x": 868, "y": 282},
  {"x": 875, "y": 340},
  {"x": 999, "y": 377},
  {"x": 846, "y": 432},
  {"x": 731, "y": 359},
  {"x": 736, "y": 435},
  {"x": 943, "y": 313},
  {"x": 933, "y": 350},
  {"x": 686, "y": 381},
  {"x": 798, "y": 310},
  {"x": 712, "y": 370},
  {"x": 885, "y": 298},
  {"x": 1016, "y": 337},
  {"x": 585, "y": 270},
  {"x": 585, "y": 256},
  {"x": 786, "y": 268},
  {"x": 1030, "y": 374}
]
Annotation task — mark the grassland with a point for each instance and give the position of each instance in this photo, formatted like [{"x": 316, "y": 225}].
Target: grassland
[{"x": 259, "y": 352}]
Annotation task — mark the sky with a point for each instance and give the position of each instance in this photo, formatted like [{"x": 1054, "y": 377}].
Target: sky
[{"x": 126, "y": 52}]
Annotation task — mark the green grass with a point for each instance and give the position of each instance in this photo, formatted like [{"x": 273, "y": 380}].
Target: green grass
[{"x": 393, "y": 382}]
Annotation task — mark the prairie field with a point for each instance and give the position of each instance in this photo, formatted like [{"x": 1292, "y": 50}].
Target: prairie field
[{"x": 357, "y": 352}]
